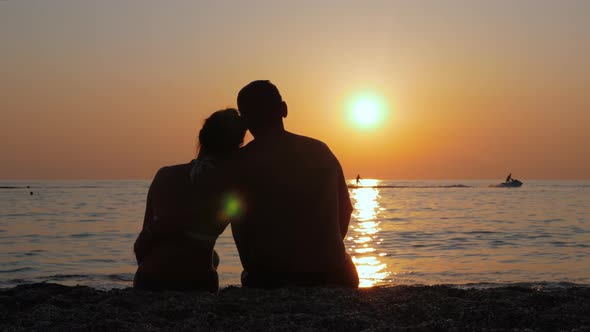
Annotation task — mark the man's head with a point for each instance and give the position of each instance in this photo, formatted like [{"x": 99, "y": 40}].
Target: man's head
[{"x": 262, "y": 107}]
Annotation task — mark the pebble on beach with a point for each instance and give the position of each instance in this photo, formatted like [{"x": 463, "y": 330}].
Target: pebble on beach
[{"x": 424, "y": 308}]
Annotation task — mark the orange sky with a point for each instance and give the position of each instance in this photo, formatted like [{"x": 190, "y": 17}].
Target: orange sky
[{"x": 109, "y": 89}]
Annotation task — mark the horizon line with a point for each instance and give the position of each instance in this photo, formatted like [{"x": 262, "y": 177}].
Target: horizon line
[{"x": 352, "y": 179}]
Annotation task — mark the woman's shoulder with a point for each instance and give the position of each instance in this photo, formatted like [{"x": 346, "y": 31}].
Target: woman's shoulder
[
  {"x": 176, "y": 168},
  {"x": 201, "y": 167},
  {"x": 172, "y": 182},
  {"x": 174, "y": 171}
]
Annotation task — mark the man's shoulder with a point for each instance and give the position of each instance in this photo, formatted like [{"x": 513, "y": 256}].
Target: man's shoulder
[
  {"x": 287, "y": 138},
  {"x": 308, "y": 142}
]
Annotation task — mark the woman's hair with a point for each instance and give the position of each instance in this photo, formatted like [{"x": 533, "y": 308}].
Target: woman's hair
[{"x": 223, "y": 132}]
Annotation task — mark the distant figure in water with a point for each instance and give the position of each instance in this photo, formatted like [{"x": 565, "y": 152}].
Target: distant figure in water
[
  {"x": 509, "y": 178},
  {"x": 182, "y": 220},
  {"x": 296, "y": 205},
  {"x": 358, "y": 179}
]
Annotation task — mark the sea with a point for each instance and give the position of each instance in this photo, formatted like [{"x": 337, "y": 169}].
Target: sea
[{"x": 401, "y": 233}]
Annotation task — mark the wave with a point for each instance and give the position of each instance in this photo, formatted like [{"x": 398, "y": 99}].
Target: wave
[
  {"x": 20, "y": 269},
  {"x": 98, "y": 185},
  {"x": 402, "y": 186},
  {"x": 539, "y": 286},
  {"x": 93, "y": 280}
]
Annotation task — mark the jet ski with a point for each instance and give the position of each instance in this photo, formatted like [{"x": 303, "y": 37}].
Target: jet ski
[{"x": 513, "y": 183}]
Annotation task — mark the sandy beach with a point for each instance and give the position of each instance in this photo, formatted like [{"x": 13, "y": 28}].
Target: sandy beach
[{"x": 404, "y": 308}]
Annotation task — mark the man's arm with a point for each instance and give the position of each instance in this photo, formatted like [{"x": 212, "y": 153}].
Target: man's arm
[{"x": 344, "y": 204}]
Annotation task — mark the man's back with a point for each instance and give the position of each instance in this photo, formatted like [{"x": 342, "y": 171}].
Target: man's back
[{"x": 296, "y": 211}]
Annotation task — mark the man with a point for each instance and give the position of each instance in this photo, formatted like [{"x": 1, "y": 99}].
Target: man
[{"x": 295, "y": 202}]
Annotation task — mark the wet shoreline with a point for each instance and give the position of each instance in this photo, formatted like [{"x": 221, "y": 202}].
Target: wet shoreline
[{"x": 58, "y": 307}]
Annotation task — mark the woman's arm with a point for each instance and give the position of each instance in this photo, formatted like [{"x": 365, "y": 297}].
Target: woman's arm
[{"x": 144, "y": 241}]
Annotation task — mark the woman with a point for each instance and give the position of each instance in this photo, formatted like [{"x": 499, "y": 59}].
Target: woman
[{"x": 183, "y": 214}]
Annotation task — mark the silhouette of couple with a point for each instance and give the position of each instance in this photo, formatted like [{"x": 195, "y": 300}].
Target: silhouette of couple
[{"x": 284, "y": 195}]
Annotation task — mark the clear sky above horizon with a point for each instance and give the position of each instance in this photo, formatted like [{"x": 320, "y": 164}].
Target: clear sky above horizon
[{"x": 472, "y": 89}]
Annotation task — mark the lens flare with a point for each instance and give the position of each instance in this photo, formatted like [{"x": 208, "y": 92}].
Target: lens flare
[{"x": 232, "y": 206}]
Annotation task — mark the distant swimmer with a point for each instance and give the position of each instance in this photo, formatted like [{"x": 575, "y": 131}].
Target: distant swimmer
[
  {"x": 31, "y": 193},
  {"x": 509, "y": 178},
  {"x": 358, "y": 179}
]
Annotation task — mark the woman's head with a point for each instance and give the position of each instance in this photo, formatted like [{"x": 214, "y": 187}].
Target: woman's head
[{"x": 222, "y": 133}]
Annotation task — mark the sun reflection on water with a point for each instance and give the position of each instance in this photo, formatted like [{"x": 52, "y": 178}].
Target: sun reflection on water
[{"x": 365, "y": 229}]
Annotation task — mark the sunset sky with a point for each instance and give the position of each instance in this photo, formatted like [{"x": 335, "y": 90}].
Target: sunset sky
[{"x": 468, "y": 89}]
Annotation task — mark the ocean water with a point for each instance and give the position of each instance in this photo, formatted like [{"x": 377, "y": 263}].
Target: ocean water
[{"x": 401, "y": 232}]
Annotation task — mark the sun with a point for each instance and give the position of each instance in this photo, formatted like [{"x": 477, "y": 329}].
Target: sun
[{"x": 367, "y": 110}]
